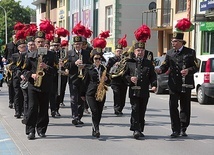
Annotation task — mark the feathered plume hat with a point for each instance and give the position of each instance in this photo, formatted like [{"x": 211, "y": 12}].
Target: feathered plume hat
[
  {"x": 122, "y": 43},
  {"x": 99, "y": 43},
  {"x": 142, "y": 34},
  {"x": 45, "y": 27},
  {"x": 59, "y": 32},
  {"x": 19, "y": 29},
  {"x": 78, "y": 31},
  {"x": 86, "y": 35}
]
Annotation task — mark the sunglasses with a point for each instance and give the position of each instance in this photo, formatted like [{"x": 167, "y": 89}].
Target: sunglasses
[{"x": 97, "y": 58}]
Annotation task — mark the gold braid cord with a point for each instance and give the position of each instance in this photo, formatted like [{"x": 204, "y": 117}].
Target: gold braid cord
[{"x": 102, "y": 88}]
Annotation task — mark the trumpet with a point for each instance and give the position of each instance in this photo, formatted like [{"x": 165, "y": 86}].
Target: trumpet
[{"x": 80, "y": 67}]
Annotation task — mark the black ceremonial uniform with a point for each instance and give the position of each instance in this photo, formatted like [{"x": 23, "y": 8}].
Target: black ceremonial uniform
[
  {"x": 90, "y": 83},
  {"x": 77, "y": 104},
  {"x": 144, "y": 70},
  {"x": 38, "y": 96},
  {"x": 9, "y": 50},
  {"x": 176, "y": 61},
  {"x": 16, "y": 67},
  {"x": 119, "y": 87}
]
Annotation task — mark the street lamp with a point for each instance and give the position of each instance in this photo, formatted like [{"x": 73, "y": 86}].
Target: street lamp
[{"x": 5, "y": 18}]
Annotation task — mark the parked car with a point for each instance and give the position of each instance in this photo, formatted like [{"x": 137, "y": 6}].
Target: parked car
[
  {"x": 162, "y": 79},
  {"x": 204, "y": 79},
  {"x": 107, "y": 55}
]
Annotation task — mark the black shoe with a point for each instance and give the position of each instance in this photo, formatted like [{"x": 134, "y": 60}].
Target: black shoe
[
  {"x": 53, "y": 113},
  {"x": 86, "y": 111},
  {"x": 175, "y": 134},
  {"x": 31, "y": 136},
  {"x": 79, "y": 122},
  {"x": 141, "y": 134},
  {"x": 42, "y": 135},
  {"x": 62, "y": 104},
  {"x": 136, "y": 134},
  {"x": 57, "y": 113},
  {"x": 183, "y": 133},
  {"x": 97, "y": 134},
  {"x": 75, "y": 122},
  {"x": 24, "y": 121},
  {"x": 11, "y": 105}
]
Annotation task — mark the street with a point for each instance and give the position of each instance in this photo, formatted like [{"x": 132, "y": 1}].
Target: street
[{"x": 65, "y": 139}]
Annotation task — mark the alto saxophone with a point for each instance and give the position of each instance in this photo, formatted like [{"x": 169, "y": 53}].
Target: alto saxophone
[
  {"x": 39, "y": 71},
  {"x": 102, "y": 88}
]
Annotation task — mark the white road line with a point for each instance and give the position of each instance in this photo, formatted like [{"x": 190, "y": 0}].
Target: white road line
[{"x": 3, "y": 140}]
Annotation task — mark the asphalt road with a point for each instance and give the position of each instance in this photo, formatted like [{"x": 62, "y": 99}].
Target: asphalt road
[{"x": 65, "y": 139}]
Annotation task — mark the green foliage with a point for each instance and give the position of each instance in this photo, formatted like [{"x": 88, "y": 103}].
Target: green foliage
[{"x": 15, "y": 13}]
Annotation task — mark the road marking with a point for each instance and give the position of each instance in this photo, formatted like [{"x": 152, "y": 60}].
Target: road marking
[{"x": 3, "y": 140}]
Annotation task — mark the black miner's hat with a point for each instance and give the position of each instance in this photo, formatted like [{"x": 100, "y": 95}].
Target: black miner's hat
[{"x": 40, "y": 34}]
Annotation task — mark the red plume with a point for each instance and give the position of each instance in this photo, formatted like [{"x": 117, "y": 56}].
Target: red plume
[
  {"x": 30, "y": 30},
  {"x": 61, "y": 32},
  {"x": 46, "y": 26},
  {"x": 64, "y": 43},
  {"x": 142, "y": 33},
  {"x": 79, "y": 29},
  {"x": 88, "y": 33},
  {"x": 123, "y": 41},
  {"x": 19, "y": 26},
  {"x": 49, "y": 36},
  {"x": 184, "y": 25},
  {"x": 20, "y": 34},
  {"x": 99, "y": 43},
  {"x": 105, "y": 34}
]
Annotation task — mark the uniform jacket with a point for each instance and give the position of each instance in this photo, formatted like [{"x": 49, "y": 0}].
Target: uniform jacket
[
  {"x": 9, "y": 50},
  {"x": 176, "y": 61},
  {"x": 91, "y": 80},
  {"x": 31, "y": 67},
  {"x": 73, "y": 69},
  {"x": 144, "y": 70}
]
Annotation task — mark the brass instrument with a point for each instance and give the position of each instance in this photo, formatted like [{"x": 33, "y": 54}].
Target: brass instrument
[
  {"x": 8, "y": 72},
  {"x": 79, "y": 67},
  {"x": 102, "y": 88},
  {"x": 63, "y": 55},
  {"x": 39, "y": 71}
]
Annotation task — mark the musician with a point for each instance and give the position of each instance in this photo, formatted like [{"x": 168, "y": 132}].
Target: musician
[
  {"x": 31, "y": 48},
  {"x": 118, "y": 84},
  {"x": 183, "y": 64},
  {"x": 37, "y": 119},
  {"x": 10, "y": 48},
  {"x": 139, "y": 72},
  {"x": 16, "y": 67},
  {"x": 53, "y": 95},
  {"x": 77, "y": 61},
  {"x": 92, "y": 78},
  {"x": 88, "y": 48}
]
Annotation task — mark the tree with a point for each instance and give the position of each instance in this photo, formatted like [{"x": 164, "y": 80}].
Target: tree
[{"x": 15, "y": 13}]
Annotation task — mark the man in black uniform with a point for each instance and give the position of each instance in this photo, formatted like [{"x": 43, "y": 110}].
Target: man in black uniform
[
  {"x": 38, "y": 90},
  {"x": 16, "y": 67},
  {"x": 9, "y": 50},
  {"x": 182, "y": 64},
  {"x": 139, "y": 74},
  {"x": 77, "y": 60},
  {"x": 118, "y": 84}
]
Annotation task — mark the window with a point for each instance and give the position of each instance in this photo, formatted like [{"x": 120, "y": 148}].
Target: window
[
  {"x": 43, "y": 8},
  {"x": 166, "y": 12},
  {"x": 53, "y": 4},
  {"x": 181, "y": 5},
  {"x": 62, "y": 23},
  {"x": 109, "y": 18},
  {"x": 61, "y": 3},
  {"x": 207, "y": 42}
]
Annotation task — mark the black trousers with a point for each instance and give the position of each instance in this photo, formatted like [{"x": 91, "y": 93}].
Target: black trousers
[
  {"x": 37, "y": 118},
  {"x": 77, "y": 104},
  {"x": 180, "y": 120},
  {"x": 18, "y": 96},
  {"x": 25, "y": 103},
  {"x": 138, "y": 106},
  {"x": 53, "y": 94},
  {"x": 119, "y": 92},
  {"x": 96, "y": 111},
  {"x": 60, "y": 98},
  {"x": 11, "y": 92}
]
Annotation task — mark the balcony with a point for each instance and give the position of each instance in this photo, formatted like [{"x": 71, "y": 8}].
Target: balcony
[
  {"x": 36, "y": 2},
  {"x": 159, "y": 19}
]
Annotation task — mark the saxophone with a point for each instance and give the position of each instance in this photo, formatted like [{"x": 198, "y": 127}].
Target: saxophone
[
  {"x": 102, "y": 88},
  {"x": 39, "y": 71}
]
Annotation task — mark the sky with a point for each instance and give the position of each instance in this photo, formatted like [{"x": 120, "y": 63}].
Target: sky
[{"x": 26, "y": 3}]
